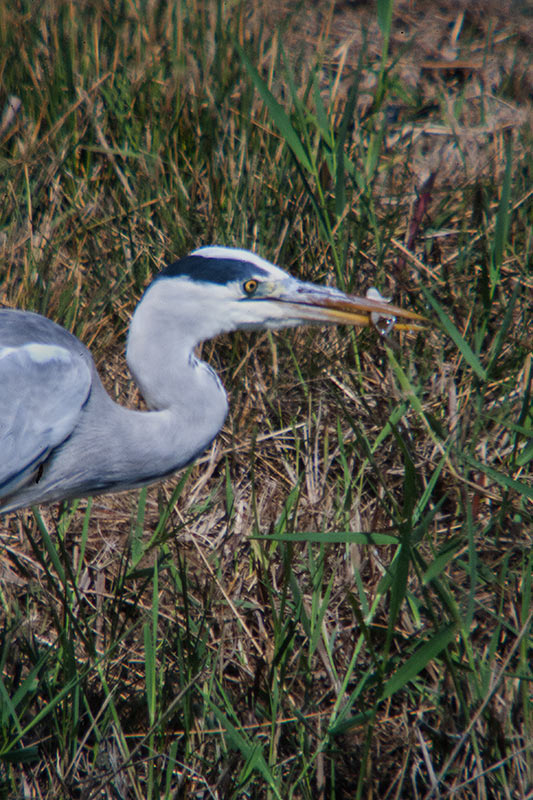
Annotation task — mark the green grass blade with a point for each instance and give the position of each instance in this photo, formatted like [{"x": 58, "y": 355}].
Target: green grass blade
[
  {"x": 251, "y": 751},
  {"x": 50, "y": 547},
  {"x": 278, "y": 114},
  {"x": 384, "y": 12},
  {"x": 503, "y": 218},
  {"x": 464, "y": 348},
  {"x": 504, "y": 328},
  {"x": 419, "y": 660},
  {"x": 150, "y": 650},
  {"x": 137, "y": 533},
  {"x": 442, "y": 559},
  {"x": 333, "y": 537},
  {"x": 523, "y": 489}
]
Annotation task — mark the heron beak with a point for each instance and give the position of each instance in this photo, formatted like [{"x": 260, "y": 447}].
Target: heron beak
[{"x": 323, "y": 304}]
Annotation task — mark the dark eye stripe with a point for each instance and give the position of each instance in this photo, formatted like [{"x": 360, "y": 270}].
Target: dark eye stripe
[{"x": 212, "y": 270}]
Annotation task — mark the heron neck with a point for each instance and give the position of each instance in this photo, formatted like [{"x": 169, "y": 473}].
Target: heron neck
[
  {"x": 151, "y": 444},
  {"x": 185, "y": 393}
]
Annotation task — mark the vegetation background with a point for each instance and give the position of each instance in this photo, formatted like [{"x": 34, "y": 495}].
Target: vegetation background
[{"x": 335, "y": 602}]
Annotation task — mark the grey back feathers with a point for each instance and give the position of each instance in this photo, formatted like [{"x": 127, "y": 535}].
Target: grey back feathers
[{"x": 45, "y": 379}]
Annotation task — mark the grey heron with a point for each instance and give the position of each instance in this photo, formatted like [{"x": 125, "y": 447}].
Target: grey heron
[{"x": 62, "y": 436}]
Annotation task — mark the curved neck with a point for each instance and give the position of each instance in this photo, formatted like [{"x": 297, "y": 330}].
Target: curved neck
[
  {"x": 147, "y": 445},
  {"x": 188, "y": 400}
]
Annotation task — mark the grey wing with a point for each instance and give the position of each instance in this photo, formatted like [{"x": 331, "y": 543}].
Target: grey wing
[{"x": 43, "y": 388}]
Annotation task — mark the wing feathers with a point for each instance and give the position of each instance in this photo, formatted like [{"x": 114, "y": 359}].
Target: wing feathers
[{"x": 43, "y": 388}]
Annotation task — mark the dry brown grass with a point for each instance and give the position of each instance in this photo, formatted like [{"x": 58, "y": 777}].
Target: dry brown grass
[{"x": 127, "y": 154}]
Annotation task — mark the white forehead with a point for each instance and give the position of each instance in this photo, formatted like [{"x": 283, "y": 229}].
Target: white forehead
[{"x": 236, "y": 254}]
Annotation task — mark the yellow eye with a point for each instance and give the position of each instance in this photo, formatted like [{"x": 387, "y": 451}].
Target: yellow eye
[{"x": 250, "y": 286}]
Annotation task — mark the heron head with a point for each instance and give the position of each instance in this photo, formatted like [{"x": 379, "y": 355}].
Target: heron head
[{"x": 220, "y": 289}]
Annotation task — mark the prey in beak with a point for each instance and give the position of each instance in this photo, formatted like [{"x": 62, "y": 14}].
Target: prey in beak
[{"x": 300, "y": 303}]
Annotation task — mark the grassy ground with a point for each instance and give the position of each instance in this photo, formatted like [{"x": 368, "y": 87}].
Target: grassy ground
[{"x": 335, "y": 602}]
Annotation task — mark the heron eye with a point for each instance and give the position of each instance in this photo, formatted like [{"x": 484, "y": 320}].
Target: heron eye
[{"x": 250, "y": 286}]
